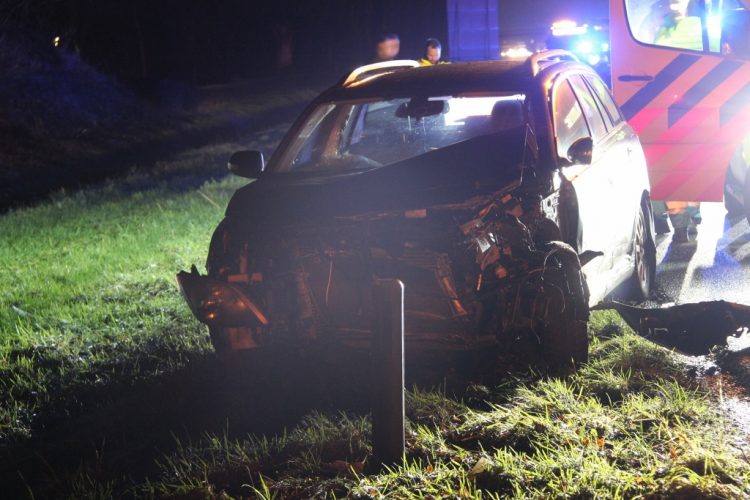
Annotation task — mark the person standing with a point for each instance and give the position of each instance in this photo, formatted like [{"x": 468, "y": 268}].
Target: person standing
[
  {"x": 387, "y": 47},
  {"x": 433, "y": 51}
]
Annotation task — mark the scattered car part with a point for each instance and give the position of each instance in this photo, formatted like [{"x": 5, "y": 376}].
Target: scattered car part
[{"x": 691, "y": 328}]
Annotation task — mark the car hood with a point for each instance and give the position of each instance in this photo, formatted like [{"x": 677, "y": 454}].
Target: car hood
[{"x": 450, "y": 175}]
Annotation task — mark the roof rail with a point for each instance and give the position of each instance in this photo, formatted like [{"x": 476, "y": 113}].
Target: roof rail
[
  {"x": 377, "y": 68},
  {"x": 541, "y": 59}
]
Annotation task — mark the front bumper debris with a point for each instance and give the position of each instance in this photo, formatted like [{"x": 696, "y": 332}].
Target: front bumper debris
[{"x": 219, "y": 304}]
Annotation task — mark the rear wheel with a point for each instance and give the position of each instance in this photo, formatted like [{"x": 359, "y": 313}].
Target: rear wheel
[
  {"x": 227, "y": 340},
  {"x": 737, "y": 187},
  {"x": 644, "y": 257}
]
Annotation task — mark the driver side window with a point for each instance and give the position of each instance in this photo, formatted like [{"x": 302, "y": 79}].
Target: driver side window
[{"x": 570, "y": 124}]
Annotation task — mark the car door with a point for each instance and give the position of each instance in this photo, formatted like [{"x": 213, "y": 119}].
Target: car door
[
  {"x": 612, "y": 154},
  {"x": 630, "y": 173},
  {"x": 574, "y": 119}
]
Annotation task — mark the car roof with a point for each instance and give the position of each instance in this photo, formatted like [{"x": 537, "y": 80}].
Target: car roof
[{"x": 444, "y": 79}]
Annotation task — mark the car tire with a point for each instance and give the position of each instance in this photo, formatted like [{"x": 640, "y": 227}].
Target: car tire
[
  {"x": 564, "y": 339},
  {"x": 644, "y": 257},
  {"x": 565, "y": 345}
]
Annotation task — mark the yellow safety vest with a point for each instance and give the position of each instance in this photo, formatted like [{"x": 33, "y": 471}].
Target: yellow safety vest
[{"x": 426, "y": 62}]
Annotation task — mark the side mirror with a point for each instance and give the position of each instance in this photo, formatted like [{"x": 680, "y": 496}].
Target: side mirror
[
  {"x": 249, "y": 164},
  {"x": 581, "y": 151}
]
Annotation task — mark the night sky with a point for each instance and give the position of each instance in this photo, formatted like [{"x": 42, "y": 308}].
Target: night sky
[
  {"x": 519, "y": 16},
  {"x": 211, "y": 42}
]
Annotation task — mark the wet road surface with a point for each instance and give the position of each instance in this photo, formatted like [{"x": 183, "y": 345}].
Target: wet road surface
[{"x": 715, "y": 266}]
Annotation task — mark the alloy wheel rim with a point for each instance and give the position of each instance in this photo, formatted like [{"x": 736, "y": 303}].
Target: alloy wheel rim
[{"x": 640, "y": 252}]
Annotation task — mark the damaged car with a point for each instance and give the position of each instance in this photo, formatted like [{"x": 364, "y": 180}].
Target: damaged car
[{"x": 508, "y": 197}]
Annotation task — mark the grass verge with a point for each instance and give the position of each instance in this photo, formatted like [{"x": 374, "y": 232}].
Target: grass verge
[
  {"x": 89, "y": 297},
  {"x": 628, "y": 424}
]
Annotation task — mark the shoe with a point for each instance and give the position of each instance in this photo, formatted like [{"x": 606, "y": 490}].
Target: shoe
[
  {"x": 680, "y": 235},
  {"x": 661, "y": 225}
]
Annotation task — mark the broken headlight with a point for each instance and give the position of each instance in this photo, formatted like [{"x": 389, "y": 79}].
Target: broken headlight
[{"x": 217, "y": 303}]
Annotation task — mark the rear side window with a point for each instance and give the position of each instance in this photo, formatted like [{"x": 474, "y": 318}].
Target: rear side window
[
  {"x": 570, "y": 124},
  {"x": 601, "y": 92},
  {"x": 590, "y": 107}
]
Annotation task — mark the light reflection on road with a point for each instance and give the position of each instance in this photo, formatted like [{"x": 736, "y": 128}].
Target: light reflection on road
[{"x": 716, "y": 266}]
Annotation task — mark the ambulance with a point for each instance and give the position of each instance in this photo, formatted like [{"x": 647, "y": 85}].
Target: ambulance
[{"x": 681, "y": 74}]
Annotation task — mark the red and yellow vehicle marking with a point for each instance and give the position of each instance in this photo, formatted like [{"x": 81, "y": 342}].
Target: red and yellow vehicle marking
[{"x": 691, "y": 110}]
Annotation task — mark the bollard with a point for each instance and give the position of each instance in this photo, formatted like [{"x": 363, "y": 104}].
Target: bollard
[{"x": 388, "y": 373}]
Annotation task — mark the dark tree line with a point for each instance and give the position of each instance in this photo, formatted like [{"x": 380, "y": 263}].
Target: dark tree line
[{"x": 203, "y": 41}]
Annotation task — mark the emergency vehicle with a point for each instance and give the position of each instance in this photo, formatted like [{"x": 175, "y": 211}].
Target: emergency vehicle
[
  {"x": 681, "y": 74},
  {"x": 588, "y": 41}
]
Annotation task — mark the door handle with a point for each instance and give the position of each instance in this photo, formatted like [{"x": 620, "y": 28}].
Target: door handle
[{"x": 635, "y": 78}]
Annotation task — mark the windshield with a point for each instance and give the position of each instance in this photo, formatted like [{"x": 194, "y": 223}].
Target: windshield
[{"x": 361, "y": 135}]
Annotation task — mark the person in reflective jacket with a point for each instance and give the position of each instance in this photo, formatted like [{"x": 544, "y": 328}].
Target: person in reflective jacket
[{"x": 433, "y": 51}]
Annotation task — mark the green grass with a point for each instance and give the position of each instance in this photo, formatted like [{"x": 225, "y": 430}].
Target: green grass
[
  {"x": 314, "y": 454},
  {"x": 89, "y": 294},
  {"x": 628, "y": 424}
]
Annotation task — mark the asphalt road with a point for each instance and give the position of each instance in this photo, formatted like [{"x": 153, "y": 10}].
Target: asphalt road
[{"x": 715, "y": 266}]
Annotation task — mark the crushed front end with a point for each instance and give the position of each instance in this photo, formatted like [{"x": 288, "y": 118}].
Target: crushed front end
[{"x": 488, "y": 271}]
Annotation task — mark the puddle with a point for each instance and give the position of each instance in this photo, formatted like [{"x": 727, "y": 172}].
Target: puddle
[
  {"x": 725, "y": 373},
  {"x": 730, "y": 383},
  {"x": 733, "y": 400}
]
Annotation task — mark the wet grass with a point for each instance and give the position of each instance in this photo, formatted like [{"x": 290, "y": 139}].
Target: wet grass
[
  {"x": 89, "y": 293},
  {"x": 628, "y": 424},
  {"x": 109, "y": 388}
]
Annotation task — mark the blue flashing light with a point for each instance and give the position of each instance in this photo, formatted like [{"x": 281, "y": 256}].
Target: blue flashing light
[{"x": 585, "y": 47}]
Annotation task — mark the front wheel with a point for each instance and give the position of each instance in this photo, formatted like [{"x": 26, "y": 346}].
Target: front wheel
[
  {"x": 565, "y": 345},
  {"x": 563, "y": 335}
]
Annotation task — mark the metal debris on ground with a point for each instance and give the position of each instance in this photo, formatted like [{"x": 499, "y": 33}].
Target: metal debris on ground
[{"x": 691, "y": 328}]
